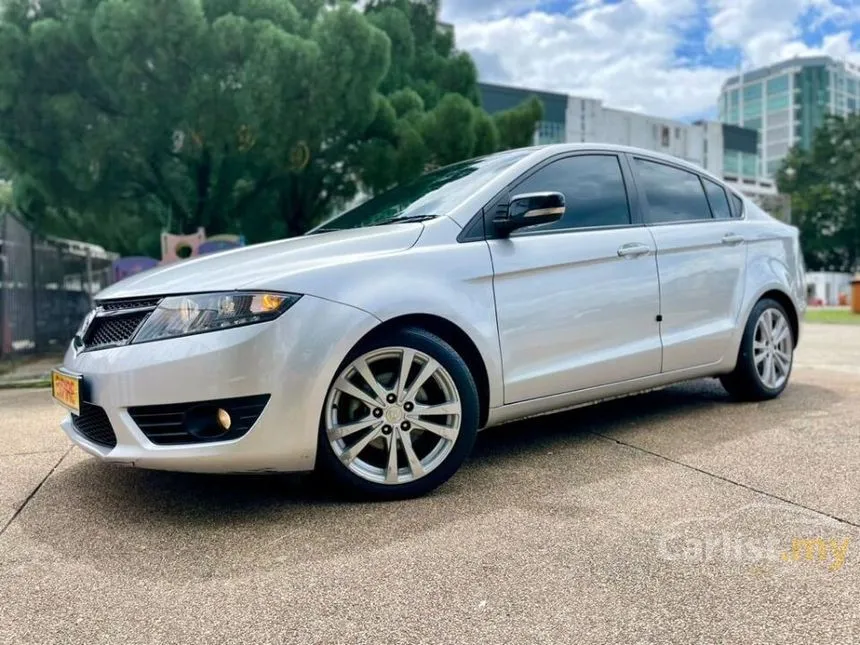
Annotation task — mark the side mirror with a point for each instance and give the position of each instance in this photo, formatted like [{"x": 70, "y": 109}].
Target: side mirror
[{"x": 529, "y": 209}]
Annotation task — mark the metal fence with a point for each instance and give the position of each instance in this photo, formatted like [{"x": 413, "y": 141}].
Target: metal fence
[{"x": 46, "y": 288}]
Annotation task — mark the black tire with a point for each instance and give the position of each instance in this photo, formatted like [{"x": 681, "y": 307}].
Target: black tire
[
  {"x": 352, "y": 485},
  {"x": 745, "y": 383}
]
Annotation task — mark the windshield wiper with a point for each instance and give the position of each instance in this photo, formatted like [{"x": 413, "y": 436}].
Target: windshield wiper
[{"x": 408, "y": 218}]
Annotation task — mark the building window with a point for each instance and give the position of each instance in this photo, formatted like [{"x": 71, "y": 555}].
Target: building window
[
  {"x": 550, "y": 132},
  {"x": 781, "y": 117},
  {"x": 777, "y": 102},
  {"x": 777, "y": 149},
  {"x": 731, "y": 162},
  {"x": 752, "y": 109},
  {"x": 664, "y": 136},
  {"x": 749, "y": 164},
  {"x": 779, "y": 133},
  {"x": 777, "y": 85},
  {"x": 753, "y": 124},
  {"x": 752, "y": 92}
]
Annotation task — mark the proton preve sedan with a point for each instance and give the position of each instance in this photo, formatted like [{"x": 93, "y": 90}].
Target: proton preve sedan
[{"x": 375, "y": 347}]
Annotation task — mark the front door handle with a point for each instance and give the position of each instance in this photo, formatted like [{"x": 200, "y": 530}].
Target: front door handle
[
  {"x": 732, "y": 239},
  {"x": 633, "y": 250}
]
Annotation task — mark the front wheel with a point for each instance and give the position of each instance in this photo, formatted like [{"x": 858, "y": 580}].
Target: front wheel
[
  {"x": 766, "y": 355},
  {"x": 400, "y": 417}
]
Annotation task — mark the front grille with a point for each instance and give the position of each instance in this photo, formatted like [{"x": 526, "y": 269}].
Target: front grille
[
  {"x": 93, "y": 423},
  {"x": 116, "y": 322},
  {"x": 113, "y": 331},
  {"x": 117, "y": 305},
  {"x": 167, "y": 424}
]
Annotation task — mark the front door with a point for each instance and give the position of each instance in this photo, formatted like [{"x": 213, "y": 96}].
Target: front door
[
  {"x": 701, "y": 258},
  {"x": 577, "y": 300}
]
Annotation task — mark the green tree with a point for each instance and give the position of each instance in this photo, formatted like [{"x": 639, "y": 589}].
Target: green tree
[
  {"x": 126, "y": 117},
  {"x": 516, "y": 126},
  {"x": 6, "y": 200},
  {"x": 825, "y": 195}
]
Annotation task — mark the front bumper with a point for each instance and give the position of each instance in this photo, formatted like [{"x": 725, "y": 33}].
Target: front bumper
[{"x": 293, "y": 358}]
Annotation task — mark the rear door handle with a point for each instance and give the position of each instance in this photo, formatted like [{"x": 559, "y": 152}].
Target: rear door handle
[
  {"x": 633, "y": 250},
  {"x": 732, "y": 239}
]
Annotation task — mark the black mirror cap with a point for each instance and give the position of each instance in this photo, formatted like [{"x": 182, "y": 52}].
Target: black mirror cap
[{"x": 529, "y": 209}]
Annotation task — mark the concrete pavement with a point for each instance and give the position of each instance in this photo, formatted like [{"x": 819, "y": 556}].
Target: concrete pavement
[{"x": 674, "y": 516}]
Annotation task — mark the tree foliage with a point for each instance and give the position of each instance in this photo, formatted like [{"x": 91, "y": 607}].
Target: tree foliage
[
  {"x": 120, "y": 118},
  {"x": 825, "y": 195}
]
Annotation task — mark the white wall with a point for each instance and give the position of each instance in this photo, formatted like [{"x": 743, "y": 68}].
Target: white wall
[
  {"x": 653, "y": 133},
  {"x": 583, "y": 119},
  {"x": 827, "y": 286}
]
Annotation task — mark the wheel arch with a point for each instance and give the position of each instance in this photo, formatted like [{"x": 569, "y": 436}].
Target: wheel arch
[
  {"x": 455, "y": 336},
  {"x": 788, "y": 304}
]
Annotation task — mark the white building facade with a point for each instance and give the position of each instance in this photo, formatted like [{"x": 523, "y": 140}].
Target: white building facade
[
  {"x": 574, "y": 119},
  {"x": 704, "y": 143}
]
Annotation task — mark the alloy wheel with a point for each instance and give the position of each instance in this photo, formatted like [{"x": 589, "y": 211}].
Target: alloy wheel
[
  {"x": 393, "y": 415},
  {"x": 772, "y": 348}
]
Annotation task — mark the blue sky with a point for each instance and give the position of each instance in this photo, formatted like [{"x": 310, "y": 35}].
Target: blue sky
[{"x": 666, "y": 57}]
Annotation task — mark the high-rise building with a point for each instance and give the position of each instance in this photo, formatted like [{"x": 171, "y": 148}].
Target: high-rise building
[
  {"x": 574, "y": 119},
  {"x": 785, "y": 103}
]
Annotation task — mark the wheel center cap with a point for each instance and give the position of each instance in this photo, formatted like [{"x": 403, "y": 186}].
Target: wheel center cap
[{"x": 394, "y": 414}]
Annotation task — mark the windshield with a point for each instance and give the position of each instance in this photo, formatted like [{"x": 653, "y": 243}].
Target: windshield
[{"x": 432, "y": 194}]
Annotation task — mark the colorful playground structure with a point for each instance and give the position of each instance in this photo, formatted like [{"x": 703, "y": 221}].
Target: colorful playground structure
[{"x": 176, "y": 248}]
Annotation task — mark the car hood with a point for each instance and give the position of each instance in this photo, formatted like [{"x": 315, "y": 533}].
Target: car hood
[{"x": 270, "y": 265}]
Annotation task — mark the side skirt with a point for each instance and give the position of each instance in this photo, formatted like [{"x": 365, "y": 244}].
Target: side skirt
[{"x": 581, "y": 398}]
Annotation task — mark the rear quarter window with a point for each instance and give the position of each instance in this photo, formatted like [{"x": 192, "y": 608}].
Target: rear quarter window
[{"x": 737, "y": 205}]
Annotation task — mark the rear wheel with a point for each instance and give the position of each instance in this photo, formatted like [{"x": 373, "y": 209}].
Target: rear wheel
[
  {"x": 766, "y": 354},
  {"x": 400, "y": 417}
]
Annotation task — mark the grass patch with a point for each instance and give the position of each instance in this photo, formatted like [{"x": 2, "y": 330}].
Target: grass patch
[
  {"x": 32, "y": 384},
  {"x": 832, "y": 316}
]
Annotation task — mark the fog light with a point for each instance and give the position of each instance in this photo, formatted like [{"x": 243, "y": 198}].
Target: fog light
[{"x": 224, "y": 419}]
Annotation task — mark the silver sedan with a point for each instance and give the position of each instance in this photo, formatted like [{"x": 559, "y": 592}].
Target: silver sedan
[{"x": 376, "y": 346}]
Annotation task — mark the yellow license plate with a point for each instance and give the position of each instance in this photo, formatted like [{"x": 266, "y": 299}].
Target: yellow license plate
[{"x": 66, "y": 390}]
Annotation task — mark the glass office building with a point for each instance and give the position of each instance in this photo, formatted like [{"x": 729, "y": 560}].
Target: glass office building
[{"x": 785, "y": 103}]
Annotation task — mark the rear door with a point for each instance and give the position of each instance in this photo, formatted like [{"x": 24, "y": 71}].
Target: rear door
[
  {"x": 577, "y": 300},
  {"x": 701, "y": 259}
]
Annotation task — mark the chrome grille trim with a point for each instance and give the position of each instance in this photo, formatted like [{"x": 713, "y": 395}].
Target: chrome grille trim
[{"x": 114, "y": 323}]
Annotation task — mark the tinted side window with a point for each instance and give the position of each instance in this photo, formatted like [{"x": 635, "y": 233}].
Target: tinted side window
[
  {"x": 737, "y": 206},
  {"x": 717, "y": 198},
  {"x": 673, "y": 195},
  {"x": 593, "y": 189}
]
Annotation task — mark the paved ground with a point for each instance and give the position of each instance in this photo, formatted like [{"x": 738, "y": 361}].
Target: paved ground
[{"x": 670, "y": 517}]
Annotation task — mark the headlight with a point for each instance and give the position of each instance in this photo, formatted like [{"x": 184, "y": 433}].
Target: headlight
[{"x": 195, "y": 314}]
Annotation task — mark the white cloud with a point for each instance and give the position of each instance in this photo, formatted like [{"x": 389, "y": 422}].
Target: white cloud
[
  {"x": 457, "y": 10},
  {"x": 625, "y": 52},
  {"x": 622, "y": 53},
  {"x": 768, "y": 31}
]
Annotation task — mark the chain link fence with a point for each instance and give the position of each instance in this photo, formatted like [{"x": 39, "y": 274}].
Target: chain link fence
[{"x": 46, "y": 288}]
